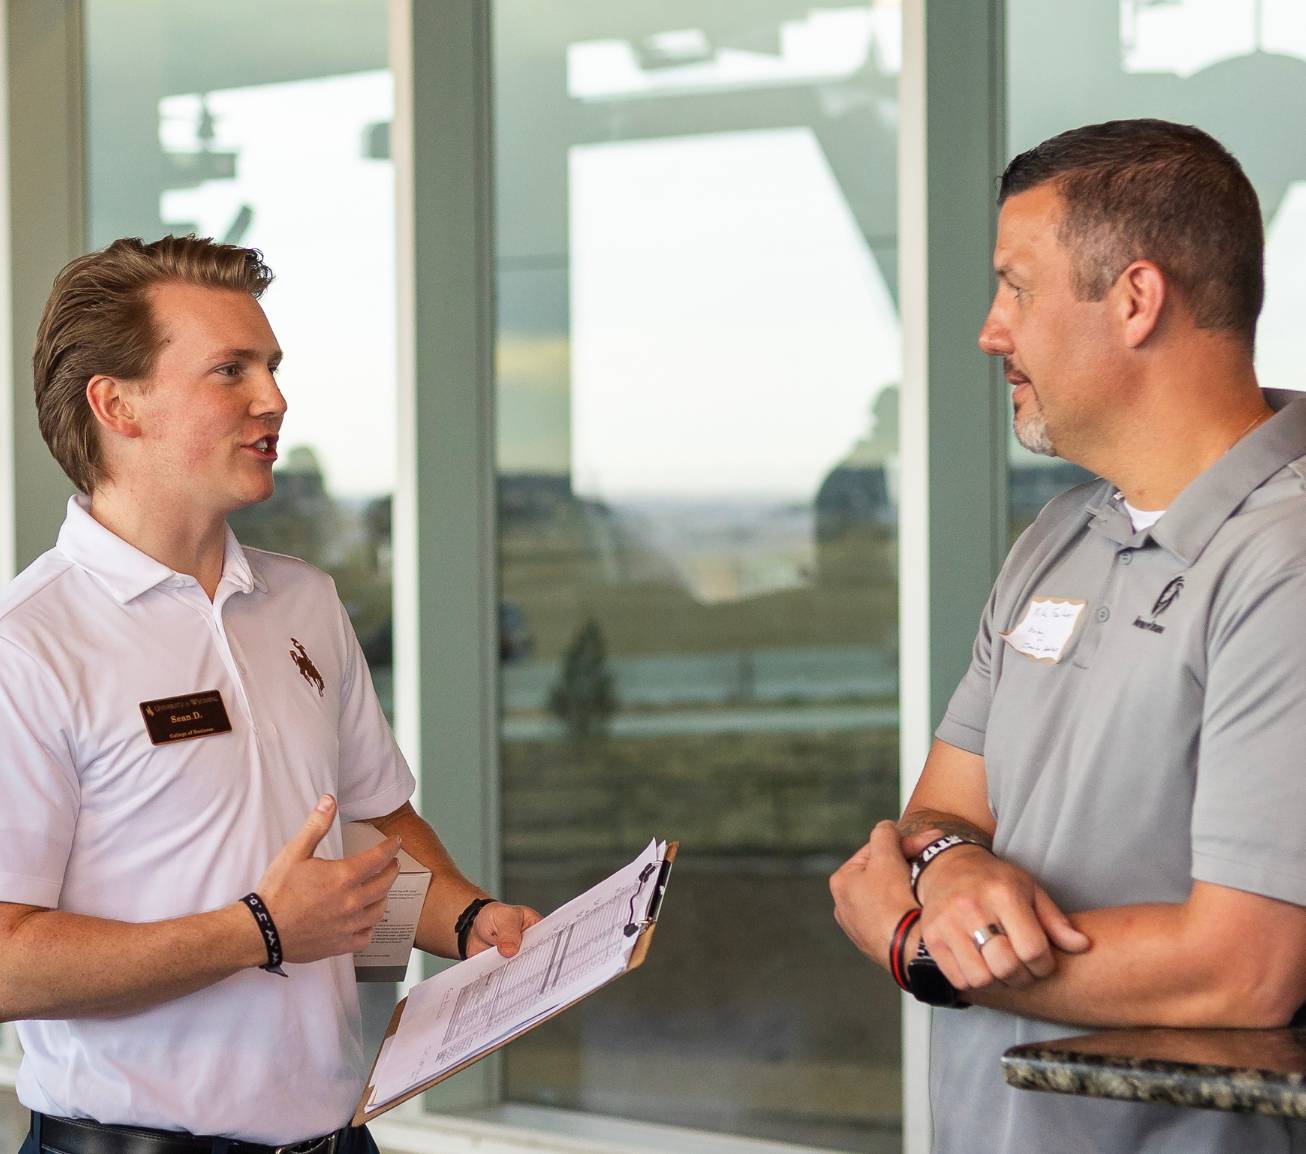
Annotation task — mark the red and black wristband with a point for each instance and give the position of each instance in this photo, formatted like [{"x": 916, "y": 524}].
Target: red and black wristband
[{"x": 898, "y": 947}]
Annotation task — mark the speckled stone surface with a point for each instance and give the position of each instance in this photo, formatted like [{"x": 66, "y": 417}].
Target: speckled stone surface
[{"x": 1245, "y": 1071}]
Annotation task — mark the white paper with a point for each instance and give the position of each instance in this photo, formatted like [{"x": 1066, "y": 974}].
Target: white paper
[
  {"x": 380, "y": 1057},
  {"x": 1046, "y": 629},
  {"x": 472, "y": 1007},
  {"x": 392, "y": 937}
]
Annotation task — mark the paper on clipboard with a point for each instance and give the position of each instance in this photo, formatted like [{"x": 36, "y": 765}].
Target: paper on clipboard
[{"x": 449, "y": 1021}]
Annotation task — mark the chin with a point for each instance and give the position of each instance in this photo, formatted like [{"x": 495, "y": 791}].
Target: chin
[
  {"x": 1032, "y": 433},
  {"x": 245, "y": 500}
]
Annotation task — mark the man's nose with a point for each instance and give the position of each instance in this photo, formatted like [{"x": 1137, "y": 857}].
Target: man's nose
[
  {"x": 994, "y": 339},
  {"x": 270, "y": 401}
]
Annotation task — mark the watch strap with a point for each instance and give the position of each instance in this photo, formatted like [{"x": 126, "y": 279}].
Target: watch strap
[{"x": 927, "y": 982}]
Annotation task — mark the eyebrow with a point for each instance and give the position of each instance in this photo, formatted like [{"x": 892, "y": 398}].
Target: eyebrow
[{"x": 274, "y": 357}]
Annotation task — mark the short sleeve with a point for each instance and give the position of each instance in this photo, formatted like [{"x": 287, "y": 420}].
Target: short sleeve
[
  {"x": 1249, "y": 808},
  {"x": 966, "y": 720},
  {"x": 40, "y": 792},
  {"x": 374, "y": 777}
]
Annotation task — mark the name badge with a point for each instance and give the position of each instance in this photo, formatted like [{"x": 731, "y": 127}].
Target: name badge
[
  {"x": 181, "y": 718},
  {"x": 1046, "y": 629}
]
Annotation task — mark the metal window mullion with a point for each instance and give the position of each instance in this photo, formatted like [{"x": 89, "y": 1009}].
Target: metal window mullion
[
  {"x": 446, "y": 601},
  {"x": 952, "y": 517}
]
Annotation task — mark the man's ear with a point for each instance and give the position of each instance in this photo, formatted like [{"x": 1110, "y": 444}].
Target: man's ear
[
  {"x": 111, "y": 402},
  {"x": 1141, "y": 293}
]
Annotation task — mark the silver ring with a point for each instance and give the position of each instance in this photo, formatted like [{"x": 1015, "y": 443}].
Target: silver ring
[{"x": 981, "y": 938}]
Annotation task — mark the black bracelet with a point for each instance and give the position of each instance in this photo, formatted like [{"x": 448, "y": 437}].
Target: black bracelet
[
  {"x": 463, "y": 926},
  {"x": 933, "y": 850},
  {"x": 268, "y": 928}
]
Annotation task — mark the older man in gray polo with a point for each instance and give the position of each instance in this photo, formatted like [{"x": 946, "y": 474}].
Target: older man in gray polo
[{"x": 1129, "y": 741}]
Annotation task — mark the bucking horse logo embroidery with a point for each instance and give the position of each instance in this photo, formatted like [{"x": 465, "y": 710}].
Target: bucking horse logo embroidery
[{"x": 307, "y": 670}]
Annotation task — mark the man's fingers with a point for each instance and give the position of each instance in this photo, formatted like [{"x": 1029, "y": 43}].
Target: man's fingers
[
  {"x": 376, "y": 887},
  {"x": 877, "y": 842},
  {"x": 1064, "y": 935},
  {"x": 505, "y": 928},
  {"x": 1027, "y": 938},
  {"x": 374, "y": 859},
  {"x": 914, "y": 843},
  {"x": 948, "y": 963},
  {"x": 314, "y": 829},
  {"x": 1004, "y": 963},
  {"x": 372, "y": 913},
  {"x": 948, "y": 940},
  {"x": 502, "y": 926}
]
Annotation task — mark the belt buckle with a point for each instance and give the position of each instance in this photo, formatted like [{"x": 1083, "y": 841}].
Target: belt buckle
[{"x": 327, "y": 1144}]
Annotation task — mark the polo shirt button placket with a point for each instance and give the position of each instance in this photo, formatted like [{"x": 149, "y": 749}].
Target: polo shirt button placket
[{"x": 237, "y": 667}]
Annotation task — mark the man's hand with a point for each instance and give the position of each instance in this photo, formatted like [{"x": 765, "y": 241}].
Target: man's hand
[
  {"x": 325, "y": 908},
  {"x": 872, "y": 890},
  {"x": 500, "y": 925},
  {"x": 968, "y": 889}
]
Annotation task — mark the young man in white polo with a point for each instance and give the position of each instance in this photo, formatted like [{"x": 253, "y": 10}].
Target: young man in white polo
[{"x": 184, "y": 726}]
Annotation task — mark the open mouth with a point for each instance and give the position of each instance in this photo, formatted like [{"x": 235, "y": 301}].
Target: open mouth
[{"x": 265, "y": 447}]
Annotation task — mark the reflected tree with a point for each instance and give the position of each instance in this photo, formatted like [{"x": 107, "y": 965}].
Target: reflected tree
[{"x": 584, "y": 697}]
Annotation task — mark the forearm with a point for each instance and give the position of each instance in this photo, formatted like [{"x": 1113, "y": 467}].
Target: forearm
[
  {"x": 1150, "y": 966},
  {"x": 61, "y": 965},
  {"x": 449, "y": 893}
]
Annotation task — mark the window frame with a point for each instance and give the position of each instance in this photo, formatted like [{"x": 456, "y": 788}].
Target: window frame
[{"x": 953, "y": 513}]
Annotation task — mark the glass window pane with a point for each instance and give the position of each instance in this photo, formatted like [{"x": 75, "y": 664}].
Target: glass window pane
[
  {"x": 1235, "y": 68},
  {"x": 279, "y": 141},
  {"x": 697, "y": 372}
]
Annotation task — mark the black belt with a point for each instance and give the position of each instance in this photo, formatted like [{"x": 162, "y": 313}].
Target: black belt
[{"x": 82, "y": 1136}]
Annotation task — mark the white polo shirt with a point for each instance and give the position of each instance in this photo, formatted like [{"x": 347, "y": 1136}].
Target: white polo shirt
[{"x": 96, "y": 819}]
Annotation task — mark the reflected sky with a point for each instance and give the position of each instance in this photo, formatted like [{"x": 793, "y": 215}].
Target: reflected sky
[
  {"x": 730, "y": 328},
  {"x": 322, "y": 210},
  {"x": 1184, "y": 36}
]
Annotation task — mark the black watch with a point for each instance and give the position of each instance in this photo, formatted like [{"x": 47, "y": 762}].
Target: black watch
[{"x": 928, "y": 984}]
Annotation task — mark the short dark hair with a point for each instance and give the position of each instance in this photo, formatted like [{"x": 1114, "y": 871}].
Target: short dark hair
[
  {"x": 1153, "y": 190},
  {"x": 98, "y": 320}
]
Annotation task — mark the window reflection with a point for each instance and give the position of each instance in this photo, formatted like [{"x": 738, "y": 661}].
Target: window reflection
[
  {"x": 1236, "y": 68},
  {"x": 279, "y": 141},
  {"x": 698, "y": 358}
]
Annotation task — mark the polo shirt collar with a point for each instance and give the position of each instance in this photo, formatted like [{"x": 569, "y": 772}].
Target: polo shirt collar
[
  {"x": 127, "y": 572},
  {"x": 1212, "y": 497}
]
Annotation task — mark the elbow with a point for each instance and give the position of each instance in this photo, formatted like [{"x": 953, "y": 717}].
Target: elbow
[
  {"x": 1248, "y": 997},
  {"x": 1268, "y": 1007}
]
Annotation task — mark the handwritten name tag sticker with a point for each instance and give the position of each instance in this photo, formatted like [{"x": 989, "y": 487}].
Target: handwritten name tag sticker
[{"x": 1046, "y": 629}]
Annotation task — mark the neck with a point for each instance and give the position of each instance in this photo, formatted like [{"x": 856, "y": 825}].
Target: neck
[
  {"x": 1175, "y": 429},
  {"x": 172, "y": 535}
]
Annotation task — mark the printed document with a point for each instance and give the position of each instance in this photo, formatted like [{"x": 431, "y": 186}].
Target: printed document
[{"x": 477, "y": 1005}]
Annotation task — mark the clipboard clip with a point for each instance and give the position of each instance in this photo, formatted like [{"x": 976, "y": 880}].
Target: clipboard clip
[{"x": 655, "y": 906}]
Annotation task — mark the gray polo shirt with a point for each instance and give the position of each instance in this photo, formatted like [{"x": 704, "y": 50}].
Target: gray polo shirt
[{"x": 1140, "y": 703}]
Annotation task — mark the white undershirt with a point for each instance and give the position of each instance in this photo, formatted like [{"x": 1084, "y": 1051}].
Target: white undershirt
[{"x": 1142, "y": 518}]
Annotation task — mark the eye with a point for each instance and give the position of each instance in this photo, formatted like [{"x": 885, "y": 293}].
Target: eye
[{"x": 230, "y": 371}]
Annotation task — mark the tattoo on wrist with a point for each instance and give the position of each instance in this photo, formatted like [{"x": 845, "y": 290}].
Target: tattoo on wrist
[{"x": 924, "y": 819}]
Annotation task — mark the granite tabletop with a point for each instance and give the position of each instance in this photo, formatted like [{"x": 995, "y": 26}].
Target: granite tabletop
[{"x": 1246, "y": 1071}]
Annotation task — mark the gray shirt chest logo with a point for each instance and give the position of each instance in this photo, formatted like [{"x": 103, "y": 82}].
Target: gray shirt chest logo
[{"x": 1168, "y": 596}]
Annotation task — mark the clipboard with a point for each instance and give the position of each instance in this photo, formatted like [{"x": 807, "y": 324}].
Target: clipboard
[{"x": 644, "y": 929}]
